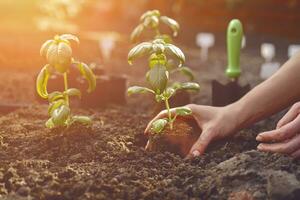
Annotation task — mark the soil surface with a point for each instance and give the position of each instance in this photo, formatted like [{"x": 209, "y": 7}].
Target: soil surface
[{"x": 108, "y": 160}]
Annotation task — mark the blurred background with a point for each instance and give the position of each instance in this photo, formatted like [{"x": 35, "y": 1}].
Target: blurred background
[{"x": 26, "y": 24}]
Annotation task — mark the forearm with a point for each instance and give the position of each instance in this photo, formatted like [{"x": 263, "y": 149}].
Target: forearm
[{"x": 271, "y": 96}]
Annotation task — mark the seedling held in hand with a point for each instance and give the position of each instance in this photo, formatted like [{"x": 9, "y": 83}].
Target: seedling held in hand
[
  {"x": 58, "y": 53},
  {"x": 158, "y": 78}
]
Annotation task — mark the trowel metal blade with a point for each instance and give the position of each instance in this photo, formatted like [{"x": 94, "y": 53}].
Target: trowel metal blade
[{"x": 223, "y": 95}]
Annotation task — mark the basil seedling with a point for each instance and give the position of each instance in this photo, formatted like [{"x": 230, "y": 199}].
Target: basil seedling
[
  {"x": 151, "y": 20},
  {"x": 58, "y": 53},
  {"x": 158, "y": 78}
]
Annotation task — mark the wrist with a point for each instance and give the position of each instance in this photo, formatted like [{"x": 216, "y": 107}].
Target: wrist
[{"x": 238, "y": 116}]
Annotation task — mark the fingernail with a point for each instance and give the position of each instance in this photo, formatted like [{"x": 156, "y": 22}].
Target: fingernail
[
  {"x": 259, "y": 137},
  {"x": 188, "y": 157},
  {"x": 148, "y": 146},
  {"x": 196, "y": 153},
  {"x": 260, "y": 147}
]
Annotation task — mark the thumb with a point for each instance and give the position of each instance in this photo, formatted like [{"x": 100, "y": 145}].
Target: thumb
[{"x": 201, "y": 144}]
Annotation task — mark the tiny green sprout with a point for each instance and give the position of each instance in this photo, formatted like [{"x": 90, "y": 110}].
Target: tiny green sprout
[
  {"x": 152, "y": 20},
  {"x": 158, "y": 78},
  {"x": 58, "y": 53}
]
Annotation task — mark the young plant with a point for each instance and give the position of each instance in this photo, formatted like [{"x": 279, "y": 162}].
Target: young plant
[
  {"x": 58, "y": 53},
  {"x": 151, "y": 20},
  {"x": 158, "y": 78}
]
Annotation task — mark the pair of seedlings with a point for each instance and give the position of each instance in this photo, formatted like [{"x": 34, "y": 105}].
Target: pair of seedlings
[{"x": 161, "y": 54}]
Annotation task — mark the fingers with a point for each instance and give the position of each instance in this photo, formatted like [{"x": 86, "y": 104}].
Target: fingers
[
  {"x": 287, "y": 147},
  {"x": 200, "y": 146},
  {"x": 164, "y": 114},
  {"x": 296, "y": 154},
  {"x": 160, "y": 115},
  {"x": 289, "y": 116},
  {"x": 285, "y": 132}
]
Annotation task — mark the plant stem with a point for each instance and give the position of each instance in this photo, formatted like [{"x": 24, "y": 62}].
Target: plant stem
[
  {"x": 157, "y": 32},
  {"x": 169, "y": 113},
  {"x": 66, "y": 86}
]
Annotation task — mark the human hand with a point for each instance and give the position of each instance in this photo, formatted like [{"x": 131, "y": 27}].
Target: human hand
[
  {"x": 286, "y": 137},
  {"x": 215, "y": 123}
]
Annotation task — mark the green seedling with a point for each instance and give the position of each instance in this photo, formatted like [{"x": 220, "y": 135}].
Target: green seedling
[
  {"x": 58, "y": 53},
  {"x": 158, "y": 78},
  {"x": 151, "y": 20}
]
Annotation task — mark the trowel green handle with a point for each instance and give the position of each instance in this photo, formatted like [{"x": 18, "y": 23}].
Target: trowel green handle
[{"x": 234, "y": 43}]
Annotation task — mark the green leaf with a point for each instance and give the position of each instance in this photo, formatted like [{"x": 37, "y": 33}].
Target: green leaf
[
  {"x": 42, "y": 81},
  {"x": 158, "y": 78},
  {"x": 138, "y": 89},
  {"x": 136, "y": 33},
  {"x": 139, "y": 50},
  {"x": 158, "y": 48},
  {"x": 166, "y": 38},
  {"x": 154, "y": 21},
  {"x": 54, "y": 96},
  {"x": 82, "y": 119},
  {"x": 190, "y": 86},
  {"x": 159, "y": 59},
  {"x": 158, "y": 125},
  {"x": 69, "y": 37},
  {"x": 149, "y": 14},
  {"x": 187, "y": 72},
  {"x": 176, "y": 85},
  {"x": 52, "y": 54},
  {"x": 171, "y": 65},
  {"x": 146, "y": 14},
  {"x": 60, "y": 115},
  {"x": 175, "y": 51},
  {"x": 49, "y": 123},
  {"x": 73, "y": 92},
  {"x": 55, "y": 105},
  {"x": 88, "y": 74},
  {"x": 169, "y": 92},
  {"x": 183, "y": 111},
  {"x": 45, "y": 46},
  {"x": 64, "y": 52},
  {"x": 171, "y": 23},
  {"x": 64, "y": 57},
  {"x": 159, "y": 97}
]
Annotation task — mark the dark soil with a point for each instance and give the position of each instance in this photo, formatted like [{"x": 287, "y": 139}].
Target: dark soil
[{"x": 106, "y": 161}]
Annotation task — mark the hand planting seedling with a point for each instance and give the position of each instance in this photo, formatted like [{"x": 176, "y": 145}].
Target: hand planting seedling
[
  {"x": 151, "y": 20},
  {"x": 58, "y": 53},
  {"x": 158, "y": 78}
]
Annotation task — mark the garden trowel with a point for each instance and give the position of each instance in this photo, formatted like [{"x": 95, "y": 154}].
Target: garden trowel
[{"x": 226, "y": 94}]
